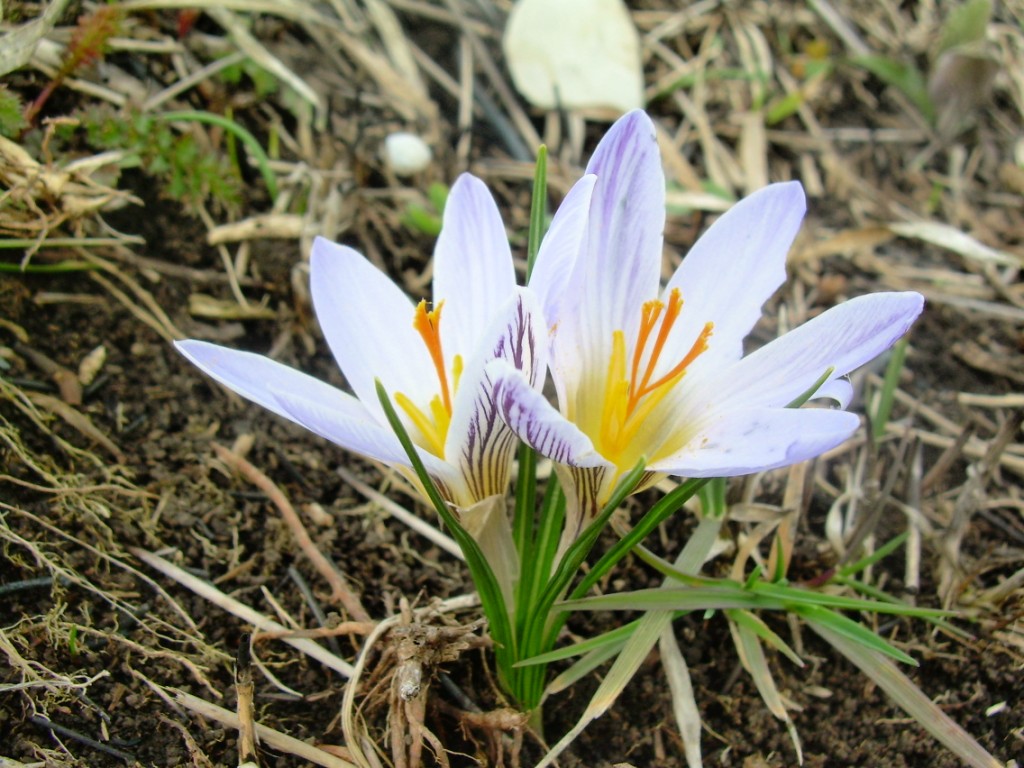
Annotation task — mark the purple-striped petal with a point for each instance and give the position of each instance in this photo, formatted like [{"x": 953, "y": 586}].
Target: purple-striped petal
[
  {"x": 274, "y": 386},
  {"x": 473, "y": 270},
  {"x": 734, "y": 268},
  {"x": 478, "y": 441},
  {"x": 539, "y": 424},
  {"x": 739, "y": 442}
]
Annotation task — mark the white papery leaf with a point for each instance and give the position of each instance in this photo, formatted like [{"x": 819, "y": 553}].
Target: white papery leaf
[{"x": 575, "y": 54}]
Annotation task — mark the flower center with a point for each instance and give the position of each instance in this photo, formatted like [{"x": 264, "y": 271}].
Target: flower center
[
  {"x": 630, "y": 395},
  {"x": 433, "y": 422}
]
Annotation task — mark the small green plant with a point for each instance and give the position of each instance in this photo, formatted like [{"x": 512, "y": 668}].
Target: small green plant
[
  {"x": 263, "y": 82},
  {"x": 960, "y": 73},
  {"x": 427, "y": 219},
  {"x": 88, "y": 44},
  {"x": 12, "y": 121},
  {"x": 189, "y": 172}
]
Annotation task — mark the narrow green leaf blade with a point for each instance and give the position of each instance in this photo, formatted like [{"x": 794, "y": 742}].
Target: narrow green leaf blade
[{"x": 909, "y": 697}]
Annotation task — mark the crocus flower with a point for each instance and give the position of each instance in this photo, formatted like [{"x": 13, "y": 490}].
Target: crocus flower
[
  {"x": 658, "y": 374},
  {"x": 431, "y": 361}
]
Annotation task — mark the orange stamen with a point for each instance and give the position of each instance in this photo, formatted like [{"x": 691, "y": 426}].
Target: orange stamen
[
  {"x": 428, "y": 326},
  {"x": 648, "y": 317},
  {"x": 629, "y": 402},
  {"x": 699, "y": 346}
]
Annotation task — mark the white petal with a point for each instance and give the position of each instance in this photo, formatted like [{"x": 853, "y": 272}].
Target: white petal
[
  {"x": 368, "y": 323},
  {"x": 478, "y": 441},
  {"x": 739, "y": 442},
  {"x": 537, "y": 423},
  {"x": 368, "y": 438},
  {"x": 619, "y": 268},
  {"x": 275, "y": 386},
  {"x": 559, "y": 251},
  {"x": 839, "y": 390},
  {"x": 844, "y": 338},
  {"x": 473, "y": 271},
  {"x": 734, "y": 268}
]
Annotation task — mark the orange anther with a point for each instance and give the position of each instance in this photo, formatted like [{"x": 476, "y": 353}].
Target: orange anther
[{"x": 428, "y": 326}]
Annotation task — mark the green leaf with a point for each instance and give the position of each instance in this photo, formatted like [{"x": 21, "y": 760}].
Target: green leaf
[
  {"x": 419, "y": 219},
  {"x": 852, "y": 630},
  {"x": 965, "y": 24},
  {"x": 12, "y": 119},
  {"x": 809, "y": 392},
  {"x": 908, "y": 696},
  {"x": 878, "y": 555},
  {"x": 583, "y": 667},
  {"x": 784, "y": 107},
  {"x": 612, "y": 638},
  {"x": 682, "y": 599},
  {"x": 437, "y": 193},
  {"x": 538, "y": 209},
  {"x": 906, "y": 77},
  {"x": 667, "y": 506},
  {"x": 887, "y": 395},
  {"x": 259, "y": 155},
  {"x": 792, "y": 595},
  {"x": 753, "y": 623}
]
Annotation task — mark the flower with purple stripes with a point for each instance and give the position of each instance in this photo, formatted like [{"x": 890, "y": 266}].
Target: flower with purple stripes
[
  {"x": 657, "y": 374},
  {"x": 431, "y": 361}
]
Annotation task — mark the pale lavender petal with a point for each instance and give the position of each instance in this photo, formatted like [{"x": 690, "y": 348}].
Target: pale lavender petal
[
  {"x": 377, "y": 441},
  {"x": 473, "y": 270},
  {"x": 620, "y": 267},
  {"x": 368, "y": 323},
  {"x": 840, "y": 390},
  {"x": 843, "y": 338},
  {"x": 478, "y": 441},
  {"x": 274, "y": 386},
  {"x": 537, "y": 423},
  {"x": 559, "y": 251},
  {"x": 734, "y": 268},
  {"x": 739, "y": 442}
]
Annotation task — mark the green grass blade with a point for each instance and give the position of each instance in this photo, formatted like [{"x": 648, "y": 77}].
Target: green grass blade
[
  {"x": 879, "y": 554},
  {"x": 538, "y": 209},
  {"x": 909, "y": 697},
  {"x": 890, "y": 384},
  {"x": 612, "y": 638},
  {"x": 753, "y": 623},
  {"x": 665, "y": 507},
  {"x": 590, "y": 661},
  {"x": 852, "y": 631},
  {"x": 646, "y": 633},
  {"x": 680, "y": 599}
]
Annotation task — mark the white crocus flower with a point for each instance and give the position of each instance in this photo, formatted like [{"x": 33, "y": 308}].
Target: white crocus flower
[
  {"x": 432, "y": 362},
  {"x": 657, "y": 374}
]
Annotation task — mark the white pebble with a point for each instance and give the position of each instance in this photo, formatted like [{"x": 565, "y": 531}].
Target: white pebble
[{"x": 406, "y": 153}]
